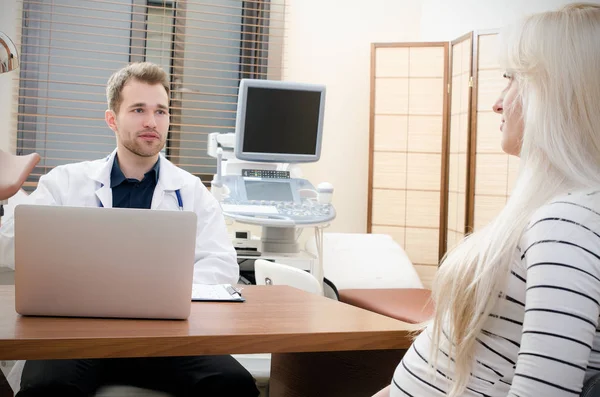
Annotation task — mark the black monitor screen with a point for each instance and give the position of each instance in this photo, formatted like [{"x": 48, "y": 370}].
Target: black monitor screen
[{"x": 281, "y": 121}]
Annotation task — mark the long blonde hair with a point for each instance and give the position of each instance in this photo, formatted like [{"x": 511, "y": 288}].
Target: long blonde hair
[{"x": 555, "y": 60}]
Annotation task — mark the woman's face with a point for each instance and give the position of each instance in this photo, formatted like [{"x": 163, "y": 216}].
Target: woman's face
[{"x": 510, "y": 107}]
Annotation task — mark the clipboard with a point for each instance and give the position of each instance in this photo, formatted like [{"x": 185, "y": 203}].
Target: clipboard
[{"x": 216, "y": 293}]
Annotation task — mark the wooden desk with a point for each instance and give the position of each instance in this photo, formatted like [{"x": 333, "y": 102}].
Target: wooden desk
[{"x": 281, "y": 320}]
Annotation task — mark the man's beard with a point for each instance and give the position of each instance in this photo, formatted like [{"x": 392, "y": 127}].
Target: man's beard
[{"x": 143, "y": 150}]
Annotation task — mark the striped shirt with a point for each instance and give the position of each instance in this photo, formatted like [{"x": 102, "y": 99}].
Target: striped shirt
[{"x": 542, "y": 338}]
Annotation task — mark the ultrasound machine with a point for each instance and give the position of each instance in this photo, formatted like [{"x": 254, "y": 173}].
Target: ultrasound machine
[{"x": 279, "y": 125}]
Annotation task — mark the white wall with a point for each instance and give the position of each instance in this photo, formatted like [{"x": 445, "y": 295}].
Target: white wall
[
  {"x": 449, "y": 19},
  {"x": 8, "y": 25},
  {"x": 329, "y": 42}
]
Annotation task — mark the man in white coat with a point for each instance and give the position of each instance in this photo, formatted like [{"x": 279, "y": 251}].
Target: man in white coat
[{"x": 136, "y": 175}]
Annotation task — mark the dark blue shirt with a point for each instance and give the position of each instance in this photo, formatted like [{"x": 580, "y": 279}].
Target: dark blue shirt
[{"x": 131, "y": 193}]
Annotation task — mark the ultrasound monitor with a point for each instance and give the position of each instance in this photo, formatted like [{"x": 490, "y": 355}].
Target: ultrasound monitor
[{"x": 279, "y": 121}]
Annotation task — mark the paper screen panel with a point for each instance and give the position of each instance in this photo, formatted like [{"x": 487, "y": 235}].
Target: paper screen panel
[
  {"x": 458, "y": 139},
  {"x": 424, "y": 133},
  {"x": 395, "y": 232},
  {"x": 407, "y": 107},
  {"x": 426, "y": 274},
  {"x": 492, "y": 165},
  {"x": 391, "y": 133},
  {"x": 389, "y": 207},
  {"x": 392, "y": 62},
  {"x": 391, "y": 170}
]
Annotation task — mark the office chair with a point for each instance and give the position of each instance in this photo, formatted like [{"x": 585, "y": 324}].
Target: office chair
[
  {"x": 591, "y": 388},
  {"x": 271, "y": 273}
]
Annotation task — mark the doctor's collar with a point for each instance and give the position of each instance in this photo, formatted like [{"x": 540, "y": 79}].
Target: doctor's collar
[{"x": 117, "y": 177}]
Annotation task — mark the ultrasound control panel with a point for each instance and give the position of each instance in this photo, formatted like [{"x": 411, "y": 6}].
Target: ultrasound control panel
[
  {"x": 271, "y": 174},
  {"x": 265, "y": 198}
]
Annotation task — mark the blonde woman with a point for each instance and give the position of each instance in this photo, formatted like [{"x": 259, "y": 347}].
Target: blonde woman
[{"x": 517, "y": 303}]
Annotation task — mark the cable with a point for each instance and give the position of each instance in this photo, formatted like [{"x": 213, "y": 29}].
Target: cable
[
  {"x": 243, "y": 261},
  {"x": 319, "y": 242}
]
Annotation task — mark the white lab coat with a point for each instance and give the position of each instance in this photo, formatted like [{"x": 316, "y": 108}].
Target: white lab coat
[{"x": 87, "y": 184}]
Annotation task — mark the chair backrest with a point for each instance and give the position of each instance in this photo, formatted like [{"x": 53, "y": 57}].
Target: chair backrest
[
  {"x": 14, "y": 170},
  {"x": 271, "y": 273},
  {"x": 591, "y": 388}
]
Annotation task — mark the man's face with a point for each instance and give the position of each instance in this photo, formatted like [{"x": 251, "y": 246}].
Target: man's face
[{"x": 142, "y": 121}]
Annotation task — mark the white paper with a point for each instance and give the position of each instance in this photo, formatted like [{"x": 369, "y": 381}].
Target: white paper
[{"x": 216, "y": 292}]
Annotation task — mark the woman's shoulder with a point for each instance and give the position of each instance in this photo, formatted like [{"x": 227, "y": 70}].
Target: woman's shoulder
[
  {"x": 566, "y": 216},
  {"x": 578, "y": 196},
  {"x": 580, "y": 204}
]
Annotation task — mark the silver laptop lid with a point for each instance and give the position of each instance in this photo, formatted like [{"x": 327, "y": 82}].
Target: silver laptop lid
[{"x": 104, "y": 262}]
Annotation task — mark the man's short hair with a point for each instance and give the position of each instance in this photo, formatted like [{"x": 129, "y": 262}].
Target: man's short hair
[{"x": 145, "y": 72}]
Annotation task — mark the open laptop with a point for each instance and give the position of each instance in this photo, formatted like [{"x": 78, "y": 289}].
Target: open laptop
[{"x": 104, "y": 262}]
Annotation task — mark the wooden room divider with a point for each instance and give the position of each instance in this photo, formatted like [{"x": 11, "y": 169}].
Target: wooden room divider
[
  {"x": 493, "y": 172},
  {"x": 437, "y": 171},
  {"x": 461, "y": 54},
  {"x": 407, "y": 156}
]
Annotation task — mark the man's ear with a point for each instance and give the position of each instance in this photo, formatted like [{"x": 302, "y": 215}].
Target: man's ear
[{"x": 111, "y": 119}]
